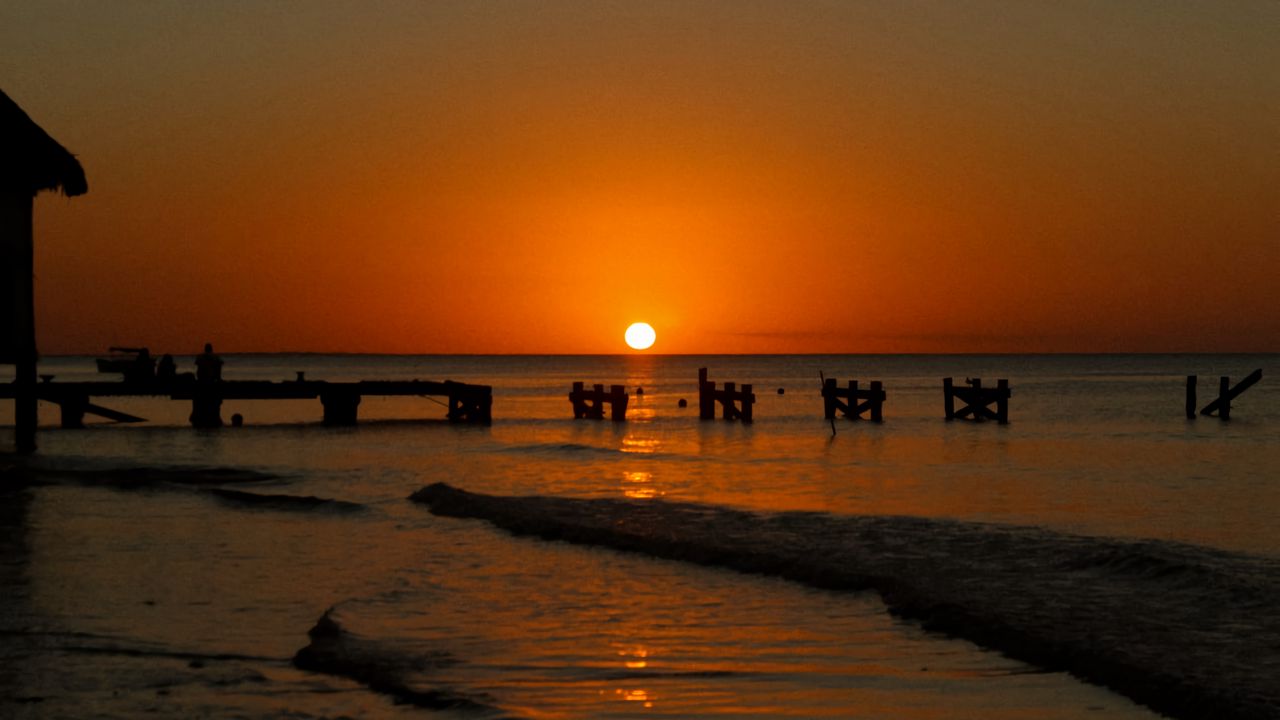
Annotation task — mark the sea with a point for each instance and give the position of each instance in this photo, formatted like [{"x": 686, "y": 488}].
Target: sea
[{"x": 154, "y": 569}]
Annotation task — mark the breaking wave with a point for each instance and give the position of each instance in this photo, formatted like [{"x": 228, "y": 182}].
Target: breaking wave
[
  {"x": 296, "y": 503},
  {"x": 1189, "y": 631},
  {"x": 385, "y": 669}
]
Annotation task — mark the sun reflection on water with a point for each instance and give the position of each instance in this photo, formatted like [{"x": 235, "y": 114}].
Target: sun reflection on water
[
  {"x": 635, "y": 658},
  {"x": 640, "y": 696},
  {"x": 639, "y": 485},
  {"x": 641, "y": 414},
  {"x": 640, "y": 445}
]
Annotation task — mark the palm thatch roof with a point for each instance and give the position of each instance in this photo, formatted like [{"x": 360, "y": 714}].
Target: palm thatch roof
[{"x": 30, "y": 160}]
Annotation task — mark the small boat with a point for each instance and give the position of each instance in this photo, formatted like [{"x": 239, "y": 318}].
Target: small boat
[
  {"x": 131, "y": 362},
  {"x": 115, "y": 365}
]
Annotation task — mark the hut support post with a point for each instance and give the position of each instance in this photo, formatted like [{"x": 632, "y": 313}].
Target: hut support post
[
  {"x": 948, "y": 398},
  {"x": 877, "y": 401},
  {"x": 17, "y": 249},
  {"x": 1224, "y": 395},
  {"x": 829, "y": 401}
]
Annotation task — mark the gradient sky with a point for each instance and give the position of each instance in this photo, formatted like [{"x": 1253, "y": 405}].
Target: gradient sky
[{"x": 746, "y": 176}]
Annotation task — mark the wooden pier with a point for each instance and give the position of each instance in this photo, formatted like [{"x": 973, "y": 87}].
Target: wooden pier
[
  {"x": 736, "y": 404},
  {"x": 340, "y": 400},
  {"x": 590, "y": 403},
  {"x": 977, "y": 400},
  {"x": 846, "y": 400}
]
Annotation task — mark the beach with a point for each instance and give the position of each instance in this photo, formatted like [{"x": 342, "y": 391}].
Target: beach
[{"x": 1100, "y": 555}]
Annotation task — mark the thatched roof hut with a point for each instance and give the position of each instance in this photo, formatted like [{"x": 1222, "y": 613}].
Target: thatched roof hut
[{"x": 30, "y": 160}]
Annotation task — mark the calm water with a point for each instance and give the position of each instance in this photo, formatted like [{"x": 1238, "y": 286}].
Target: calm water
[{"x": 169, "y": 598}]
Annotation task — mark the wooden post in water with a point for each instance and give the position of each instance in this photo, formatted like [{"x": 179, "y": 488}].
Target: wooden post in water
[
  {"x": 829, "y": 401},
  {"x": 577, "y": 399},
  {"x": 706, "y": 396},
  {"x": 618, "y": 402},
  {"x": 206, "y": 405},
  {"x": 853, "y": 400},
  {"x": 590, "y": 403},
  {"x": 1191, "y": 397},
  {"x": 340, "y": 407},
  {"x": 976, "y": 400},
  {"x": 469, "y": 403},
  {"x": 1222, "y": 404},
  {"x": 728, "y": 398}
]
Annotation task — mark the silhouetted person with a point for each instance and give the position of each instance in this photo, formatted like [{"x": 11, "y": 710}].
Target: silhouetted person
[
  {"x": 208, "y": 365},
  {"x": 167, "y": 369}
]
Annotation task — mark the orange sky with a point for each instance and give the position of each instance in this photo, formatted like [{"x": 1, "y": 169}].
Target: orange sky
[{"x": 746, "y": 176}]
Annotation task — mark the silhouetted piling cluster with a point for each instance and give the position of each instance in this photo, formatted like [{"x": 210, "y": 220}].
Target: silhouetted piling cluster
[{"x": 976, "y": 402}]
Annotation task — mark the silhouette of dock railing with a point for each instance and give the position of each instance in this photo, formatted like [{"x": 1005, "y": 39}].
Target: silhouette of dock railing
[
  {"x": 977, "y": 400},
  {"x": 340, "y": 400},
  {"x": 736, "y": 404},
  {"x": 845, "y": 400},
  {"x": 590, "y": 403}
]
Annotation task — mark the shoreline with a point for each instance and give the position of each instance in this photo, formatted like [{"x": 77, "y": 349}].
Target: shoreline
[{"x": 1184, "y": 630}]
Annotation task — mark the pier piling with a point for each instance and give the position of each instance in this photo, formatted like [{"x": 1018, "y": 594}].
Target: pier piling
[
  {"x": 736, "y": 403},
  {"x": 590, "y": 403},
  {"x": 977, "y": 400},
  {"x": 1226, "y": 393},
  {"x": 846, "y": 400}
]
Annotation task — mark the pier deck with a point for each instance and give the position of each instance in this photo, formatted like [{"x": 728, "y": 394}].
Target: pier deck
[{"x": 467, "y": 403}]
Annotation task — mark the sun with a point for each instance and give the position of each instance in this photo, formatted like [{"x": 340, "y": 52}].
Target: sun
[{"x": 640, "y": 336}]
